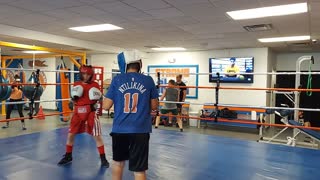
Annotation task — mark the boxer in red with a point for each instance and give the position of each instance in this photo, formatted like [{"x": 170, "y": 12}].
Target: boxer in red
[{"x": 85, "y": 94}]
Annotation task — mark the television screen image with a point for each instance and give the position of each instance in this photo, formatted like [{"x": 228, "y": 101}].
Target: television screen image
[{"x": 230, "y": 69}]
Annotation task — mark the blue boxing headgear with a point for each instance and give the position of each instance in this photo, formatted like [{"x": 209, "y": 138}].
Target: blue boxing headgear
[{"x": 126, "y": 58}]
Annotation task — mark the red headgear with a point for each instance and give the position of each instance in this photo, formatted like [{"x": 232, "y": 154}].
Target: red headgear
[{"x": 86, "y": 70}]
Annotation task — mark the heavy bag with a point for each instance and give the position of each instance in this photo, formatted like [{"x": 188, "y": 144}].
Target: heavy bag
[
  {"x": 29, "y": 90},
  {"x": 5, "y": 90}
]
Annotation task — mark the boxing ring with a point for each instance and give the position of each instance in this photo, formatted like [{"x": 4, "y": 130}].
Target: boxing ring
[{"x": 173, "y": 155}]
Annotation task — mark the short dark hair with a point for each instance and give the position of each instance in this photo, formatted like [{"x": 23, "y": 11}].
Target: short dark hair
[
  {"x": 16, "y": 76},
  {"x": 135, "y": 66},
  {"x": 171, "y": 81},
  {"x": 179, "y": 75}
]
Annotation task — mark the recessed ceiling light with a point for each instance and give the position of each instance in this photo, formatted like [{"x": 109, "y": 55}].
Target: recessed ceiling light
[
  {"x": 284, "y": 39},
  {"x": 96, "y": 28},
  {"x": 269, "y": 11},
  {"x": 169, "y": 49},
  {"x": 35, "y": 52}
]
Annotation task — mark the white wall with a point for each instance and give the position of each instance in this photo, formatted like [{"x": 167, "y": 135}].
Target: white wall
[
  {"x": 201, "y": 58},
  {"x": 287, "y": 61},
  {"x": 109, "y": 61}
]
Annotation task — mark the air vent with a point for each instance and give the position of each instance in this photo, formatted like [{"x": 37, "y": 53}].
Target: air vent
[
  {"x": 258, "y": 27},
  {"x": 300, "y": 44}
]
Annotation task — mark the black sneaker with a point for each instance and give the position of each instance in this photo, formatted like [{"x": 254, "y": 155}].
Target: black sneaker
[
  {"x": 24, "y": 127},
  {"x": 169, "y": 125},
  {"x": 6, "y": 126},
  {"x": 104, "y": 161},
  {"x": 156, "y": 127},
  {"x": 65, "y": 160},
  {"x": 181, "y": 130}
]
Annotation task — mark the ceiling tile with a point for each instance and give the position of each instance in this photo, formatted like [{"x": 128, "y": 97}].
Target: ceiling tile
[
  {"x": 96, "y": 1},
  {"x": 136, "y": 16},
  {"x": 115, "y": 7},
  {"x": 62, "y": 14},
  {"x": 299, "y": 27},
  {"x": 226, "y": 27},
  {"x": 231, "y": 5},
  {"x": 182, "y": 20},
  {"x": 210, "y": 35},
  {"x": 81, "y": 21},
  {"x": 86, "y": 10},
  {"x": 40, "y": 5},
  {"x": 177, "y": 3},
  {"x": 27, "y": 20},
  {"x": 110, "y": 18},
  {"x": 10, "y": 11},
  {"x": 205, "y": 13},
  {"x": 277, "y": 2},
  {"x": 152, "y": 23},
  {"x": 49, "y": 27},
  {"x": 165, "y": 13},
  {"x": 147, "y": 4},
  {"x": 7, "y": 1}
]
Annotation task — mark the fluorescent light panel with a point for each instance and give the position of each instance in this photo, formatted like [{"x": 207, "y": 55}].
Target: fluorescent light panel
[
  {"x": 284, "y": 39},
  {"x": 169, "y": 49},
  {"x": 269, "y": 11},
  {"x": 35, "y": 52},
  {"x": 96, "y": 28}
]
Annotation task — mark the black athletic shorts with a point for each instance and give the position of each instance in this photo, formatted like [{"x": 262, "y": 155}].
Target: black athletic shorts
[
  {"x": 132, "y": 147},
  {"x": 179, "y": 106}
]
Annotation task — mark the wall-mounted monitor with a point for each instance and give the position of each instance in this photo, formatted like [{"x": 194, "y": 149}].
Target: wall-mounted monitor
[{"x": 230, "y": 69}]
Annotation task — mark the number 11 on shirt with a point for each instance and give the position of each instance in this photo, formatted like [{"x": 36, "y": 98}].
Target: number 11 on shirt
[{"x": 128, "y": 103}]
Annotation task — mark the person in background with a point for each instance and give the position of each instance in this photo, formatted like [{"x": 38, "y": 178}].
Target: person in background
[
  {"x": 171, "y": 94},
  {"x": 233, "y": 70},
  {"x": 16, "y": 96},
  {"x": 36, "y": 106},
  {"x": 182, "y": 94},
  {"x": 134, "y": 96}
]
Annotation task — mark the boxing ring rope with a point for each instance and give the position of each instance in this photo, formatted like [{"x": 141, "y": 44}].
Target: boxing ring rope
[
  {"x": 109, "y": 72},
  {"x": 245, "y": 88},
  {"x": 43, "y": 70},
  {"x": 254, "y": 122},
  {"x": 25, "y": 118},
  {"x": 243, "y": 106},
  {"x": 39, "y": 101},
  {"x": 200, "y": 87},
  {"x": 34, "y": 84},
  {"x": 253, "y": 73}
]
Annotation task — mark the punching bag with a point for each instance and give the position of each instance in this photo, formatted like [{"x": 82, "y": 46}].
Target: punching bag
[{"x": 29, "y": 90}]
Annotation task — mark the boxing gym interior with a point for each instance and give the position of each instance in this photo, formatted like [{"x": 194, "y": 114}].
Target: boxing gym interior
[{"x": 247, "y": 73}]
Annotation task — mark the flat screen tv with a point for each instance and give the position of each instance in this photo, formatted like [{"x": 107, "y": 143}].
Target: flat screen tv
[{"x": 230, "y": 69}]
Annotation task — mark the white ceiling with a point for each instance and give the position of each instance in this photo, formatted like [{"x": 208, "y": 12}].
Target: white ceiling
[{"x": 193, "y": 24}]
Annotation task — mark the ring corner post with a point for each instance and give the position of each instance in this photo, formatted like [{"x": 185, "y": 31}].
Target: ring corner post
[
  {"x": 84, "y": 59},
  {"x": 3, "y": 65}
]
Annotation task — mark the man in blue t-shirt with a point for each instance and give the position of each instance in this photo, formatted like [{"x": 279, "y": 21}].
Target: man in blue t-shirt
[{"x": 134, "y": 96}]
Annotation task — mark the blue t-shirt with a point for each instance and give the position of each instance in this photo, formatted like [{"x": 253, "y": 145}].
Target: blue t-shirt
[{"x": 131, "y": 94}]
